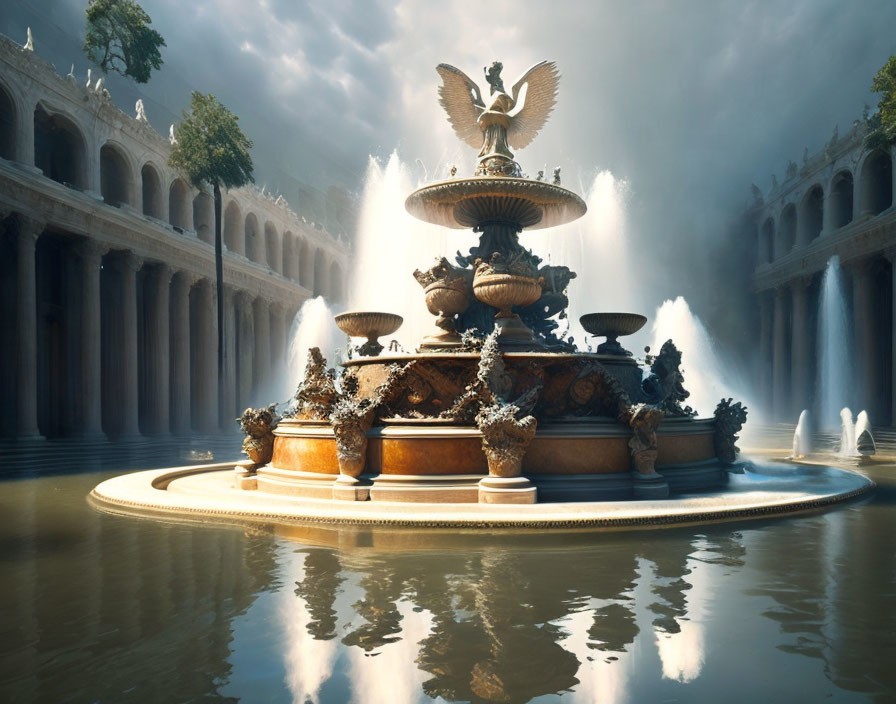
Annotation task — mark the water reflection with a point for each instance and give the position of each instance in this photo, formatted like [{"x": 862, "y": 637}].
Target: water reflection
[{"x": 100, "y": 607}]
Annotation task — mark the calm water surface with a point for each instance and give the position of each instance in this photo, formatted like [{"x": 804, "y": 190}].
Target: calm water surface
[{"x": 107, "y": 608}]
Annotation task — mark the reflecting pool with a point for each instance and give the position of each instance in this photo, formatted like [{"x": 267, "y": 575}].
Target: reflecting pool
[{"x": 101, "y": 607}]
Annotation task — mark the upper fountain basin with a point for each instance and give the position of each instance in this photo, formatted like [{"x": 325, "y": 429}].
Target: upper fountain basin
[{"x": 471, "y": 202}]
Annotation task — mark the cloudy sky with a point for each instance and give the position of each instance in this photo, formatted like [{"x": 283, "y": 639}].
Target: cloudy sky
[{"x": 688, "y": 101}]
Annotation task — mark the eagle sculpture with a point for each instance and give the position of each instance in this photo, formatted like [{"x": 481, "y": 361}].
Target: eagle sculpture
[{"x": 498, "y": 125}]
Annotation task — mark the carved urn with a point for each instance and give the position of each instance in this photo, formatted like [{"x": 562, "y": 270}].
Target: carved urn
[
  {"x": 369, "y": 324},
  {"x": 612, "y": 326},
  {"x": 504, "y": 290},
  {"x": 446, "y": 288}
]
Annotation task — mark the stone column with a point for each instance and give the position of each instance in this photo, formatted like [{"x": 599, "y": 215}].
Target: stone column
[
  {"x": 278, "y": 345},
  {"x": 765, "y": 349},
  {"x": 228, "y": 411},
  {"x": 245, "y": 349},
  {"x": 158, "y": 350},
  {"x": 780, "y": 366},
  {"x": 799, "y": 347},
  {"x": 865, "y": 347},
  {"x": 129, "y": 264},
  {"x": 262, "y": 373},
  {"x": 180, "y": 351},
  {"x": 205, "y": 336},
  {"x": 26, "y": 325},
  {"x": 91, "y": 254}
]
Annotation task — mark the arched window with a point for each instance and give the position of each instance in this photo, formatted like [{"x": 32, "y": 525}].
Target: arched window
[
  {"x": 204, "y": 216},
  {"x": 306, "y": 265},
  {"x": 877, "y": 184},
  {"x": 233, "y": 229},
  {"x": 59, "y": 148},
  {"x": 767, "y": 241},
  {"x": 321, "y": 284},
  {"x": 152, "y": 192},
  {"x": 272, "y": 247},
  {"x": 253, "y": 250},
  {"x": 811, "y": 218},
  {"x": 115, "y": 176},
  {"x": 179, "y": 210},
  {"x": 289, "y": 256},
  {"x": 7, "y": 125},
  {"x": 787, "y": 230},
  {"x": 841, "y": 199}
]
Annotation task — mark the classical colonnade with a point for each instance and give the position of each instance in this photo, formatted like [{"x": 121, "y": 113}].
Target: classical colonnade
[
  {"x": 107, "y": 290},
  {"x": 842, "y": 205},
  {"x": 107, "y": 342}
]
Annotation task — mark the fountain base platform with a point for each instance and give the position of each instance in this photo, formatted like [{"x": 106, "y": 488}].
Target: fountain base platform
[{"x": 207, "y": 492}]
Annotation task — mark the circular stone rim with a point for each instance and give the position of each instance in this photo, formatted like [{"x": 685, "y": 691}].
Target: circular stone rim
[
  {"x": 435, "y": 203},
  {"x": 145, "y": 493}
]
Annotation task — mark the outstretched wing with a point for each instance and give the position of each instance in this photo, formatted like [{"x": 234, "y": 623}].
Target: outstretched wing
[
  {"x": 462, "y": 101},
  {"x": 541, "y": 95}
]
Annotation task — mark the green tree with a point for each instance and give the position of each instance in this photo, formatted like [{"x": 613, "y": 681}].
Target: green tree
[
  {"x": 120, "y": 39},
  {"x": 883, "y": 124},
  {"x": 211, "y": 149}
]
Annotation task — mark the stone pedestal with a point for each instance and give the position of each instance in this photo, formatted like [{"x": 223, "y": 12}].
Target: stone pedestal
[
  {"x": 649, "y": 486},
  {"x": 347, "y": 488},
  {"x": 507, "y": 490}
]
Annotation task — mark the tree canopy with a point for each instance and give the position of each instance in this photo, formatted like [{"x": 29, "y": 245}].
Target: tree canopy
[
  {"x": 883, "y": 124},
  {"x": 120, "y": 39},
  {"x": 209, "y": 145}
]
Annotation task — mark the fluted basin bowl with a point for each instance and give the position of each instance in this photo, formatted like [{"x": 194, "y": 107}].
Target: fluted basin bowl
[
  {"x": 612, "y": 324},
  {"x": 469, "y": 202},
  {"x": 503, "y": 291},
  {"x": 447, "y": 297},
  {"x": 369, "y": 324}
]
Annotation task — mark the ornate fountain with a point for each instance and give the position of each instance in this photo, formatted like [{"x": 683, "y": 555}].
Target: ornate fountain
[{"x": 494, "y": 406}]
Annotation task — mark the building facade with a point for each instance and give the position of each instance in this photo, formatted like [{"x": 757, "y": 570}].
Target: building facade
[
  {"x": 838, "y": 203},
  {"x": 107, "y": 272}
]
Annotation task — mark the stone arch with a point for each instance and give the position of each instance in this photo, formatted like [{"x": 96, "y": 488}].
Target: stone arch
[
  {"x": 876, "y": 183},
  {"x": 321, "y": 283},
  {"x": 233, "y": 229},
  {"x": 306, "y": 265},
  {"x": 767, "y": 241},
  {"x": 151, "y": 185},
  {"x": 179, "y": 211},
  {"x": 116, "y": 183},
  {"x": 786, "y": 230},
  {"x": 60, "y": 150},
  {"x": 290, "y": 270},
  {"x": 204, "y": 217},
  {"x": 8, "y": 124},
  {"x": 336, "y": 283},
  {"x": 252, "y": 238},
  {"x": 811, "y": 215},
  {"x": 841, "y": 199},
  {"x": 272, "y": 247}
]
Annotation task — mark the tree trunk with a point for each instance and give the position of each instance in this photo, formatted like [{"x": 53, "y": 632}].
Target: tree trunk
[{"x": 219, "y": 285}]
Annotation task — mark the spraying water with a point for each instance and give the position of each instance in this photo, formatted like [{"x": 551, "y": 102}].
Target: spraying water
[
  {"x": 390, "y": 245},
  {"x": 313, "y": 326},
  {"x": 705, "y": 376},
  {"x": 802, "y": 442},
  {"x": 596, "y": 248},
  {"x": 847, "y": 434},
  {"x": 834, "y": 368},
  {"x": 864, "y": 439}
]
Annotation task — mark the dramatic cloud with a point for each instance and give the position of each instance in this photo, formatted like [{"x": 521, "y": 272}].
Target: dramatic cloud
[{"x": 689, "y": 101}]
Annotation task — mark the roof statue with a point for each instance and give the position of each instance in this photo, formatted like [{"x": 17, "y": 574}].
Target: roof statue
[{"x": 497, "y": 125}]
